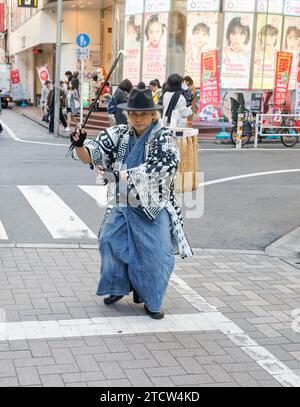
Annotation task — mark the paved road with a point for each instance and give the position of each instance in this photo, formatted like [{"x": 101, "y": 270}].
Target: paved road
[{"x": 241, "y": 214}]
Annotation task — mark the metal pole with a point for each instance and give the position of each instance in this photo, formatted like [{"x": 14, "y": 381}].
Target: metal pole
[
  {"x": 57, "y": 67},
  {"x": 81, "y": 91},
  {"x": 256, "y": 130}
]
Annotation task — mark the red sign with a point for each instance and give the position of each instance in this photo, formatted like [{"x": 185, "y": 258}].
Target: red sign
[
  {"x": 2, "y": 28},
  {"x": 16, "y": 86},
  {"x": 282, "y": 77},
  {"x": 210, "y": 94},
  {"x": 15, "y": 76},
  {"x": 43, "y": 73}
]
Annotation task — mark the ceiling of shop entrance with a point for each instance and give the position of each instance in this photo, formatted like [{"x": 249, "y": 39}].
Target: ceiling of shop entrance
[{"x": 81, "y": 4}]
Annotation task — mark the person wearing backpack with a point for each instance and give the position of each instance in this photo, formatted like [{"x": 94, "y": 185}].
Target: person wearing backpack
[{"x": 120, "y": 97}]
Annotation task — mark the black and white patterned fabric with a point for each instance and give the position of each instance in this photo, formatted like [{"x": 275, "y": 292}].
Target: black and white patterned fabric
[{"x": 151, "y": 183}]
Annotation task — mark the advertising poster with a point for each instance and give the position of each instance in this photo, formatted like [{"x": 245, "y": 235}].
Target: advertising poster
[
  {"x": 210, "y": 86},
  {"x": 282, "y": 76},
  {"x": 43, "y": 73},
  {"x": 155, "y": 48},
  {"x": 297, "y": 99},
  {"x": 202, "y": 30},
  {"x": 268, "y": 38},
  {"x": 292, "y": 8},
  {"x": 133, "y": 43},
  {"x": 232, "y": 102},
  {"x": 2, "y": 29},
  {"x": 237, "y": 50},
  {"x": 291, "y": 43},
  {"x": 270, "y": 6},
  {"x": 133, "y": 7},
  {"x": 203, "y": 5},
  {"x": 16, "y": 86},
  {"x": 157, "y": 6},
  {"x": 239, "y": 5}
]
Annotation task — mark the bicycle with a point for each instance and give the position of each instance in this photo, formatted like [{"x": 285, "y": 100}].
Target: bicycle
[{"x": 287, "y": 126}]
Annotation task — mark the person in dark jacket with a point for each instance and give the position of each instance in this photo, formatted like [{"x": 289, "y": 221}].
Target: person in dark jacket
[
  {"x": 51, "y": 104},
  {"x": 120, "y": 97}
]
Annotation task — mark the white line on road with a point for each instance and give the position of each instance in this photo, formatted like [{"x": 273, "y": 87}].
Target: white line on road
[
  {"x": 16, "y": 138},
  {"x": 257, "y": 174},
  {"x": 282, "y": 373},
  {"x": 58, "y": 217},
  {"x": 98, "y": 192},
  {"x": 3, "y": 235},
  {"x": 250, "y": 149}
]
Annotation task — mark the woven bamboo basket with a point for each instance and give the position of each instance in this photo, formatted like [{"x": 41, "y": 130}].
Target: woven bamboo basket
[{"x": 187, "y": 178}]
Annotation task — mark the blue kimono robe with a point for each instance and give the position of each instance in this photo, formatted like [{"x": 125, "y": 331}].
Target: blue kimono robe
[{"x": 143, "y": 227}]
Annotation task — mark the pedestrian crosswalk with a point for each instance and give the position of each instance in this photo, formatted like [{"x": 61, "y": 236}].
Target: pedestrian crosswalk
[{"x": 40, "y": 213}]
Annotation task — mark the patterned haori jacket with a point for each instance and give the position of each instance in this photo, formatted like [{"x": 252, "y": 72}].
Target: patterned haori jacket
[{"x": 151, "y": 184}]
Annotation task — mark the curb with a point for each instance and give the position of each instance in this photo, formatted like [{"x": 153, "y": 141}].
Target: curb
[
  {"x": 287, "y": 246},
  {"x": 28, "y": 116}
]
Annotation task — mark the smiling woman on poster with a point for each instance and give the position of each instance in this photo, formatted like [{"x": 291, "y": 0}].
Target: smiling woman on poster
[
  {"x": 155, "y": 52},
  {"x": 237, "y": 51}
]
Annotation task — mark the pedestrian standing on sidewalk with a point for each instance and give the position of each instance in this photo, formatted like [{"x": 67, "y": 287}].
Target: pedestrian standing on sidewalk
[
  {"x": 156, "y": 90},
  {"x": 51, "y": 104},
  {"x": 69, "y": 76},
  {"x": 142, "y": 231},
  {"x": 75, "y": 81},
  {"x": 121, "y": 97},
  {"x": 44, "y": 101},
  {"x": 72, "y": 105},
  {"x": 94, "y": 89},
  {"x": 175, "y": 105}
]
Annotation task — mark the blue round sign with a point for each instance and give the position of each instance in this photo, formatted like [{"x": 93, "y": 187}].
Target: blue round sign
[{"x": 83, "y": 40}]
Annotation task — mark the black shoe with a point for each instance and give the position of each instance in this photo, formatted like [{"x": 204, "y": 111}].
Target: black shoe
[
  {"x": 154, "y": 315},
  {"x": 136, "y": 298},
  {"x": 112, "y": 299}
]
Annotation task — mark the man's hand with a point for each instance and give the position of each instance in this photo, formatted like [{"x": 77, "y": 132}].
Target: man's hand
[{"x": 78, "y": 137}]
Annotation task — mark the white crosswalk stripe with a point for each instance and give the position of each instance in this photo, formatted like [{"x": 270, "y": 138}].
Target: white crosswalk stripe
[
  {"x": 3, "y": 235},
  {"x": 99, "y": 193},
  {"x": 60, "y": 220}
]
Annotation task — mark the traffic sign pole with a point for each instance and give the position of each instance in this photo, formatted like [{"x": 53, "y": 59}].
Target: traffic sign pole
[
  {"x": 57, "y": 68},
  {"x": 81, "y": 91}
]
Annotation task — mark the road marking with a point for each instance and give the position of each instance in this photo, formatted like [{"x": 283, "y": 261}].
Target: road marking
[
  {"x": 280, "y": 372},
  {"x": 12, "y": 331},
  {"x": 16, "y": 138},
  {"x": 258, "y": 174},
  {"x": 98, "y": 192},
  {"x": 3, "y": 235},
  {"x": 249, "y": 149},
  {"x": 59, "y": 218}
]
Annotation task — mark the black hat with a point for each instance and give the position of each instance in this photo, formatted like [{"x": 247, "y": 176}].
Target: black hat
[{"x": 140, "y": 100}]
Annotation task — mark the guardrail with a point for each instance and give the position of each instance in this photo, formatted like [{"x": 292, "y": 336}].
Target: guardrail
[{"x": 279, "y": 123}]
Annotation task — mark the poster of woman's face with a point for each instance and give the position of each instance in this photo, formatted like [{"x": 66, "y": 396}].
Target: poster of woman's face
[
  {"x": 237, "y": 50},
  {"x": 133, "y": 37},
  {"x": 291, "y": 43},
  {"x": 268, "y": 35},
  {"x": 155, "y": 49},
  {"x": 177, "y": 31},
  {"x": 202, "y": 30}
]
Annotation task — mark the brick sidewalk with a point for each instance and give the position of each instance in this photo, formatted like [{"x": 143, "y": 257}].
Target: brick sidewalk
[{"x": 234, "y": 309}]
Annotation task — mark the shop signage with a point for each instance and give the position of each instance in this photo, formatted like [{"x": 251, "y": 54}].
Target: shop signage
[
  {"x": 282, "y": 76},
  {"x": 2, "y": 29},
  {"x": 239, "y": 5},
  {"x": 43, "y": 73},
  {"x": 292, "y": 8},
  {"x": 203, "y": 5},
  {"x": 16, "y": 86},
  {"x": 28, "y": 3},
  {"x": 210, "y": 92},
  {"x": 134, "y": 7},
  {"x": 158, "y": 6},
  {"x": 269, "y": 6}
]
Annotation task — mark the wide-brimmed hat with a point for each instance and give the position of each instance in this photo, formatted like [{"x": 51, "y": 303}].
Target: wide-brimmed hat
[{"x": 140, "y": 100}]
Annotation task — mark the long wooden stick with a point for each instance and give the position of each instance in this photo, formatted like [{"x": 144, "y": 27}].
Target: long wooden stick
[{"x": 102, "y": 88}]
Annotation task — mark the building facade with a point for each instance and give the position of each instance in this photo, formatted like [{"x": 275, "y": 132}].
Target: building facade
[{"x": 160, "y": 37}]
